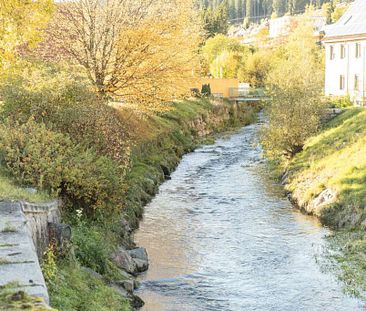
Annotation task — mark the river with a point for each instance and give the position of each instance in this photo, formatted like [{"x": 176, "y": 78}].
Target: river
[{"x": 221, "y": 236}]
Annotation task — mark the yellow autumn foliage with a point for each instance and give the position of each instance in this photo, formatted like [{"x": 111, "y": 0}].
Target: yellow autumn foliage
[
  {"x": 21, "y": 23},
  {"x": 138, "y": 52}
]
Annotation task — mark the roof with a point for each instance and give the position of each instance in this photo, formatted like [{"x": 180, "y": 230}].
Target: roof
[{"x": 352, "y": 23}]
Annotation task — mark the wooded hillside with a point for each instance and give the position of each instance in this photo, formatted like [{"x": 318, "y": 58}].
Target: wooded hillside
[{"x": 256, "y": 10}]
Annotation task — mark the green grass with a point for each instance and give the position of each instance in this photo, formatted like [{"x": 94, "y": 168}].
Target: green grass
[
  {"x": 335, "y": 159},
  {"x": 9, "y": 190},
  {"x": 75, "y": 289}
]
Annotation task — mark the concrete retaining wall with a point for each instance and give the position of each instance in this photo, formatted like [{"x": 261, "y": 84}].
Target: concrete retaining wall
[
  {"x": 38, "y": 216},
  {"x": 24, "y": 237}
]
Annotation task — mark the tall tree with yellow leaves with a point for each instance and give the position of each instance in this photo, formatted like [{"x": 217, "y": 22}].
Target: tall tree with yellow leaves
[
  {"x": 21, "y": 23},
  {"x": 140, "y": 51}
]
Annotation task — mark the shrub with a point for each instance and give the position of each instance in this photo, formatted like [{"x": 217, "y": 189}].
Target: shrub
[
  {"x": 38, "y": 157},
  {"x": 206, "y": 90},
  {"x": 35, "y": 156},
  {"x": 90, "y": 248},
  {"x": 66, "y": 103},
  {"x": 340, "y": 102},
  {"x": 295, "y": 85}
]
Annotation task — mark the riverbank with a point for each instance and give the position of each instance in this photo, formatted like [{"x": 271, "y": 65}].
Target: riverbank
[
  {"x": 102, "y": 246},
  {"x": 221, "y": 235},
  {"x": 328, "y": 179}
]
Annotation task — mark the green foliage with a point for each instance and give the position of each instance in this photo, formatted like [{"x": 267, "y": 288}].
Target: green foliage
[
  {"x": 49, "y": 265},
  {"x": 224, "y": 56},
  {"x": 50, "y": 161},
  {"x": 219, "y": 44},
  {"x": 295, "y": 84},
  {"x": 256, "y": 68},
  {"x": 93, "y": 247},
  {"x": 338, "y": 12},
  {"x": 340, "y": 102},
  {"x": 34, "y": 155},
  {"x": 347, "y": 248},
  {"x": 66, "y": 103},
  {"x": 76, "y": 289},
  {"x": 215, "y": 21},
  {"x": 206, "y": 90},
  {"x": 10, "y": 190},
  {"x": 334, "y": 159}
]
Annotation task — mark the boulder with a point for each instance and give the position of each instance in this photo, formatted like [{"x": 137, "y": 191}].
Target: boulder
[
  {"x": 139, "y": 253},
  {"x": 128, "y": 285},
  {"x": 363, "y": 225},
  {"x": 141, "y": 265},
  {"x": 140, "y": 257},
  {"x": 136, "y": 302},
  {"x": 124, "y": 261}
]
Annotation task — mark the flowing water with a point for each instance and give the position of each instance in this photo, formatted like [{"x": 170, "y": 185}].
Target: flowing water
[{"x": 222, "y": 236}]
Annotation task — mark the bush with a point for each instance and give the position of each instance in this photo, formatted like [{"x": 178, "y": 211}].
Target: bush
[
  {"x": 92, "y": 249},
  {"x": 340, "y": 102},
  {"x": 66, "y": 103},
  {"x": 35, "y": 156},
  {"x": 206, "y": 90},
  {"x": 38, "y": 157},
  {"x": 295, "y": 85}
]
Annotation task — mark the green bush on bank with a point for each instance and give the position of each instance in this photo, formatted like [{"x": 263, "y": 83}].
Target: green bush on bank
[
  {"x": 66, "y": 103},
  {"x": 50, "y": 161}
]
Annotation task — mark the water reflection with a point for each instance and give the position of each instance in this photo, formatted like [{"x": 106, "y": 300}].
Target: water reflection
[{"x": 222, "y": 236}]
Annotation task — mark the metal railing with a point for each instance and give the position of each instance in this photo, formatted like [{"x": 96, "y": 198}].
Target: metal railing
[{"x": 246, "y": 93}]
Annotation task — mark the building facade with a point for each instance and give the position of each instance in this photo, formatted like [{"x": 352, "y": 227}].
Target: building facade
[{"x": 345, "y": 48}]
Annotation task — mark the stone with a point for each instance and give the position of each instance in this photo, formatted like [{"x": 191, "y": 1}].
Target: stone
[
  {"x": 363, "y": 225},
  {"x": 92, "y": 273},
  {"x": 324, "y": 198},
  {"x": 128, "y": 285},
  {"x": 136, "y": 284},
  {"x": 124, "y": 261},
  {"x": 139, "y": 253},
  {"x": 141, "y": 265},
  {"x": 136, "y": 302}
]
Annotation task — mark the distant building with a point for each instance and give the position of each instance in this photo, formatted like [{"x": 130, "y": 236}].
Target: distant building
[
  {"x": 283, "y": 26},
  {"x": 345, "y": 48}
]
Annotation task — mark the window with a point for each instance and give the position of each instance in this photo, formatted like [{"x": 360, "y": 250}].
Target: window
[
  {"x": 341, "y": 82},
  {"x": 357, "y": 83},
  {"x": 358, "y": 50},
  {"x": 331, "y": 52},
  {"x": 343, "y": 51}
]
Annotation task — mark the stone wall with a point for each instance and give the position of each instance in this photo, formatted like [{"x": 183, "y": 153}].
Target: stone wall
[
  {"x": 38, "y": 216},
  {"x": 19, "y": 265}
]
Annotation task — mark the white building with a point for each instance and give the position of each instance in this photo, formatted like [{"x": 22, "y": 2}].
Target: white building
[
  {"x": 345, "y": 47},
  {"x": 283, "y": 26}
]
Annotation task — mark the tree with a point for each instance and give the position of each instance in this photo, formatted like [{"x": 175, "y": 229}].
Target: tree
[
  {"x": 295, "y": 84},
  {"x": 256, "y": 68},
  {"x": 338, "y": 12},
  {"x": 138, "y": 51},
  {"x": 215, "y": 20},
  {"x": 220, "y": 43},
  {"x": 22, "y": 23},
  {"x": 249, "y": 9}
]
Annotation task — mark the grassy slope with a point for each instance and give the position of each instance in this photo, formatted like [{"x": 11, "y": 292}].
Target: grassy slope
[
  {"x": 9, "y": 190},
  {"x": 336, "y": 159}
]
